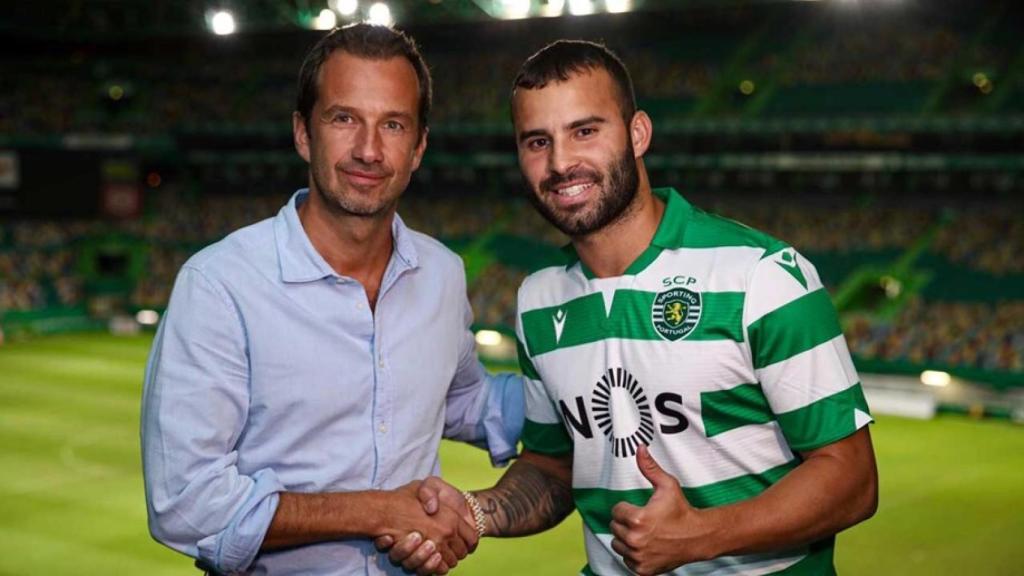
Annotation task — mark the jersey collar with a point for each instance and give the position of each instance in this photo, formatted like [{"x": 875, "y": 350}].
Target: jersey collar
[{"x": 670, "y": 234}]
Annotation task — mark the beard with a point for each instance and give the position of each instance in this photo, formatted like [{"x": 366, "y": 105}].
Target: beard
[
  {"x": 619, "y": 184},
  {"x": 339, "y": 200}
]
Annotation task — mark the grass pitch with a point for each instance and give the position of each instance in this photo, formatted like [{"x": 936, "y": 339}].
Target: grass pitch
[{"x": 71, "y": 497}]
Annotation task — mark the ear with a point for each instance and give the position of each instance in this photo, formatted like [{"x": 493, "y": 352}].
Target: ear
[
  {"x": 421, "y": 148},
  {"x": 641, "y": 129},
  {"x": 300, "y": 135}
]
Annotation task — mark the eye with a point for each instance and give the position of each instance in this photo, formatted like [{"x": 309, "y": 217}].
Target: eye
[
  {"x": 536, "y": 143},
  {"x": 586, "y": 131},
  {"x": 342, "y": 118},
  {"x": 394, "y": 125}
]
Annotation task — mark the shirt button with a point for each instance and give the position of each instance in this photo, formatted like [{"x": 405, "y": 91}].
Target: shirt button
[
  {"x": 359, "y": 305},
  {"x": 383, "y": 429}
]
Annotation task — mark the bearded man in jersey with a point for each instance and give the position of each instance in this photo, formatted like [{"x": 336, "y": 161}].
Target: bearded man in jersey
[{"x": 689, "y": 388}]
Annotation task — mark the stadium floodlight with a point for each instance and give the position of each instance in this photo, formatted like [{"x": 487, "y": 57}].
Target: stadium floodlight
[
  {"x": 747, "y": 87},
  {"x": 618, "y": 6},
  {"x": 326, "y": 20},
  {"x": 380, "y": 14},
  {"x": 581, "y": 7},
  {"x": 552, "y": 8},
  {"x": 344, "y": 7},
  {"x": 222, "y": 23},
  {"x": 489, "y": 338},
  {"x": 147, "y": 317},
  {"x": 515, "y": 9},
  {"x": 935, "y": 378}
]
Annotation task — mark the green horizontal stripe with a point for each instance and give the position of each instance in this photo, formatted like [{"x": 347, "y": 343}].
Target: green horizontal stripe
[
  {"x": 793, "y": 328},
  {"x": 525, "y": 365},
  {"x": 725, "y": 410},
  {"x": 546, "y": 438},
  {"x": 712, "y": 231},
  {"x": 825, "y": 421},
  {"x": 630, "y": 318},
  {"x": 595, "y": 504},
  {"x": 818, "y": 561}
]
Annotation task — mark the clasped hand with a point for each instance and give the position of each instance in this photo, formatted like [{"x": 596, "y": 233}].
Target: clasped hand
[{"x": 431, "y": 528}]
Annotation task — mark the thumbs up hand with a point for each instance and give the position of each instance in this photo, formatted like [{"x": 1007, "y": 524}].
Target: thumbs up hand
[{"x": 665, "y": 533}]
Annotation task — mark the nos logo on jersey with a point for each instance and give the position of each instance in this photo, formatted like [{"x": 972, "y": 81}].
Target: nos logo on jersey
[
  {"x": 675, "y": 313},
  {"x": 620, "y": 407}
]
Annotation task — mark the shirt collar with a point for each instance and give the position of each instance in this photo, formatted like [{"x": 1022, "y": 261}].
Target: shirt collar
[
  {"x": 299, "y": 260},
  {"x": 671, "y": 230}
]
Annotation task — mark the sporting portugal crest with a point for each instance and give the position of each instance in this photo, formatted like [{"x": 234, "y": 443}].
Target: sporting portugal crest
[{"x": 675, "y": 313}]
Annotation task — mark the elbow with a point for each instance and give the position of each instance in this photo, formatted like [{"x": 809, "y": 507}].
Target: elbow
[
  {"x": 871, "y": 505},
  {"x": 867, "y": 501},
  {"x": 163, "y": 530}
]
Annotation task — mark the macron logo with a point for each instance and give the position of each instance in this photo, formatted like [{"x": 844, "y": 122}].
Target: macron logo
[{"x": 559, "y": 319}]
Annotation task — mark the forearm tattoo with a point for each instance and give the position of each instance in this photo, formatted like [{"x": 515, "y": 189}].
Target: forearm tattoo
[{"x": 525, "y": 501}]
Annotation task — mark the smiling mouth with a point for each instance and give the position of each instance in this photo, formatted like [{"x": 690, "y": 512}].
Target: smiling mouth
[{"x": 574, "y": 190}]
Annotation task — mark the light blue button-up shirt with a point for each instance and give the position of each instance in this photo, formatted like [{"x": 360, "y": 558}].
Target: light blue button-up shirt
[{"x": 271, "y": 373}]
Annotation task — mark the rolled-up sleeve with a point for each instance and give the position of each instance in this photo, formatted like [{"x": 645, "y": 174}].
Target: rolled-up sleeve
[
  {"x": 194, "y": 408},
  {"x": 486, "y": 410}
]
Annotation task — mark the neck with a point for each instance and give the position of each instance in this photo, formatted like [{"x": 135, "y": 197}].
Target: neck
[
  {"x": 609, "y": 251},
  {"x": 355, "y": 246}
]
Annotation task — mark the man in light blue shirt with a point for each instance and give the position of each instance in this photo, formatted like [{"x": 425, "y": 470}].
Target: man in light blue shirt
[{"x": 308, "y": 365}]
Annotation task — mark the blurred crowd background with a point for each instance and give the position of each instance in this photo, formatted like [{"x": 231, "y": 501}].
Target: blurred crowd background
[{"x": 881, "y": 139}]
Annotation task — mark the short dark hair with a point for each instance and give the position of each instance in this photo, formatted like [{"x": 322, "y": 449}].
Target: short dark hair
[
  {"x": 558, "y": 61},
  {"x": 364, "y": 41}
]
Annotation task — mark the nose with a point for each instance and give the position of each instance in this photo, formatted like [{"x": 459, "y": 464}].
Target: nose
[
  {"x": 368, "y": 146},
  {"x": 560, "y": 158}
]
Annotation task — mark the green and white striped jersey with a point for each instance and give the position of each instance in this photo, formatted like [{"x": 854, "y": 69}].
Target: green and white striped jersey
[{"x": 718, "y": 348}]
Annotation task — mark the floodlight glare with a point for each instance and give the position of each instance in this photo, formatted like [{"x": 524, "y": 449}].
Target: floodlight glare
[
  {"x": 344, "y": 7},
  {"x": 618, "y": 6},
  {"x": 552, "y": 8},
  {"x": 488, "y": 338},
  {"x": 935, "y": 378},
  {"x": 581, "y": 7},
  {"x": 380, "y": 14},
  {"x": 222, "y": 23},
  {"x": 147, "y": 317},
  {"x": 514, "y": 9},
  {"x": 326, "y": 20}
]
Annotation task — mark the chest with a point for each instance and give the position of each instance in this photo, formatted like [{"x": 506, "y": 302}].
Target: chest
[{"x": 317, "y": 352}]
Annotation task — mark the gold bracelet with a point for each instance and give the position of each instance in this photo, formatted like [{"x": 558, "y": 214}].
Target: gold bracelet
[{"x": 478, "y": 512}]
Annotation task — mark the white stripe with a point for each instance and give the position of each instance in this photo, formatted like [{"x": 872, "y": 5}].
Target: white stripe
[
  {"x": 772, "y": 287},
  {"x": 712, "y": 269},
  {"x": 604, "y": 561},
  {"x": 552, "y": 286},
  {"x": 538, "y": 404},
  {"x": 809, "y": 376},
  {"x": 689, "y": 457}
]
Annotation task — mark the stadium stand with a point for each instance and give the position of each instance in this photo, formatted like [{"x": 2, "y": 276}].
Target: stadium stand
[{"x": 888, "y": 143}]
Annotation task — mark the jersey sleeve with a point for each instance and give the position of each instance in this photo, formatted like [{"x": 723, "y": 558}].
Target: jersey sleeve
[
  {"x": 543, "y": 431},
  {"x": 799, "y": 353}
]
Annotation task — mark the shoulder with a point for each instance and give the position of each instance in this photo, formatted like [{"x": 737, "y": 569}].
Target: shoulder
[
  {"x": 432, "y": 252},
  {"x": 708, "y": 230},
  {"x": 549, "y": 286},
  {"x": 246, "y": 248}
]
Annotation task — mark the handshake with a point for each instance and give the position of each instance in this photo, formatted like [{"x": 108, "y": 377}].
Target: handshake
[{"x": 428, "y": 526}]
